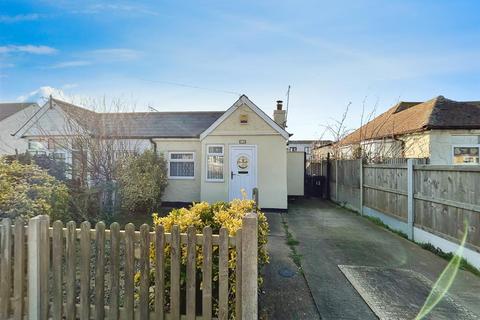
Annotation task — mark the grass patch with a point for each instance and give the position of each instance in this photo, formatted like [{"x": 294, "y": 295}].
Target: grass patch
[
  {"x": 464, "y": 264},
  {"x": 380, "y": 223},
  {"x": 292, "y": 243}
]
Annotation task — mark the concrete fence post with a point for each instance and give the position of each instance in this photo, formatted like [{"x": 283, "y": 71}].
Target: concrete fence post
[
  {"x": 250, "y": 266},
  {"x": 336, "y": 181},
  {"x": 255, "y": 198},
  {"x": 410, "y": 200},
  {"x": 361, "y": 184},
  {"x": 38, "y": 265}
]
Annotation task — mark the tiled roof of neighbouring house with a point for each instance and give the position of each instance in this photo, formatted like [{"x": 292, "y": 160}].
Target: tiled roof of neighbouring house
[
  {"x": 142, "y": 124},
  {"x": 8, "y": 109},
  {"x": 409, "y": 117}
]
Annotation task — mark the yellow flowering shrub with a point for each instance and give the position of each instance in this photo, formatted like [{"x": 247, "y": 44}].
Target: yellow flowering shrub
[{"x": 221, "y": 214}]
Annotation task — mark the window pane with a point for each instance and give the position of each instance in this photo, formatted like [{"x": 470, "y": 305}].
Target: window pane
[
  {"x": 465, "y": 155},
  {"x": 215, "y": 149},
  {"x": 181, "y": 156},
  {"x": 215, "y": 167},
  {"x": 181, "y": 169}
]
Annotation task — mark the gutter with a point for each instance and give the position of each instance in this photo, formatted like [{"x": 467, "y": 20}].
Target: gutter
[{"x": 154, "y": 145}]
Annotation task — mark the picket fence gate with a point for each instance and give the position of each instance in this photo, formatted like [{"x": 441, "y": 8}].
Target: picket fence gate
[{"x": 53, "y": 275}]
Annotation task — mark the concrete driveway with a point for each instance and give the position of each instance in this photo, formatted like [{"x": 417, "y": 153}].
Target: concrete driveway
[{"x": 330, "y": 236}]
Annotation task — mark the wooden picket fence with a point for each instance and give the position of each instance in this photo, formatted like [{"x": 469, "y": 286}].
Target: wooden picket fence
[{"x": 63, "y": 276}]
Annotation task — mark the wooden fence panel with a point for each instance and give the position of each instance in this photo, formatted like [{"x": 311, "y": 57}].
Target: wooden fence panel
[
  {"x": 333, "y": 180},
  {"x": 348, "y": 180},
  {"x": 385, "y": 189},
  {"x": 78, "y": 255},
  {"x": 445, "y": 198}
]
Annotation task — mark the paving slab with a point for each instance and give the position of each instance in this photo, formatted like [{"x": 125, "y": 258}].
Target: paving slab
[
  {"x": 399, "y": 294},
  {"x": 331, "y": 236},
  {"x": 285, "y": 293}
]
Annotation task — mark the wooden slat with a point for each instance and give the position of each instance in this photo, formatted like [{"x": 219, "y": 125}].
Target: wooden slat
[
  {"x": 57, "y": 255},
  {"x": 5, "y": 267},
  {"x": 70, "y": 271},
  {"x": 175, "y": 256},
  {"x": 100, "y": 270},
  {"x": 159, "y": 272},
  {"x": 144, "y": 271},
  {"x": 223, "y": 275},
  {"x": 238, "y": 276},
  {"x": 114, "y": 271},
  {"x": 191, "y": 273},
  {"x": 44, "y": 266},
  {"x": 129, "y": 270},
  {"x": 207, "y": 274},
  {"x": 19, "y": 271},
  {"x": 85, "y": 270}
]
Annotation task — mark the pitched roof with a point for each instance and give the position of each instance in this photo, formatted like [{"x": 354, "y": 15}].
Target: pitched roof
[
  {"x": 8, "y": 109},
  {"x": 409, "y": 117},
  {"x": 142, "y": 124}
]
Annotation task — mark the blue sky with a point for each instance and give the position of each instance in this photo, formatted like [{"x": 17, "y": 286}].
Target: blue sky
[{"x": 331, "y": 53}]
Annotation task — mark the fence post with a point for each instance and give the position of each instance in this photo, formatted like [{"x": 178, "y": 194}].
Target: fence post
[
  {"x": 255, "y": 198},
  {"x": 5, "y": 267},
  {"x": 336, "y": 181},
  {"x": 38, "y": 265},
  {"x": 410, "y": 201},
  {"x": 250, "y": 266},
  {"x": 361, "y": 185}
]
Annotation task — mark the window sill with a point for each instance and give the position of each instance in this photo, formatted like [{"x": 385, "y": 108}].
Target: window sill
[
  {"x": 181, "y": 178},
  {"x": 215, "y": 181}
]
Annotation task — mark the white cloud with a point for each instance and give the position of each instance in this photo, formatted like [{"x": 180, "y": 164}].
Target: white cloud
[
  {"x": 70, "y": 64},
  {"x": 42, "y": 94},
  {"x": 20, "y": 18},
  {"x": 115, "y": 54},
  {"x": 4, "y": 65},
  {"x": 98, "y": 8},
  {"x": 28, "y": 49}
]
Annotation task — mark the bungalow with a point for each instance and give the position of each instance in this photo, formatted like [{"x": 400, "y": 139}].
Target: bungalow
[
  {"x": 442, "y": 130},
  {"x": 12, "y": 116},
  {"x": 211, "y": 156}
]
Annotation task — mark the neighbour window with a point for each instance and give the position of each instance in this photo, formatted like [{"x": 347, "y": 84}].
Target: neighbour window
[
  {"x": 466, "y": 154},
  {"x": 214, "y": 163},
  {"x": 307, "y": 149},
  {"x": 181, "y": 165},
  {"x": 292, "y": 149}
]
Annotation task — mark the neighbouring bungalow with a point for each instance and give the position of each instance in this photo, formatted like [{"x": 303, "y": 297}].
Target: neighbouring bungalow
[
  {"x": 12, "y": 116},
  {"x": 212, "y": 156},
  {"x": 442, "y": 130}
]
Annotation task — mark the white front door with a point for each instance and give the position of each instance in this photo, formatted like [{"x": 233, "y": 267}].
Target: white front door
[{"x": 243, "y": 171}]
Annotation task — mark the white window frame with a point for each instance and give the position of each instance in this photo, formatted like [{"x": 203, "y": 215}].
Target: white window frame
[
  {"x": 181, "y": 160},
  {"x": 465, "y": 146},
  {"x": 215, "y": 154}
]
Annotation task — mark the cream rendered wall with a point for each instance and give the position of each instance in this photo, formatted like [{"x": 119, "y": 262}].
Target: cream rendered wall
[
  {"x": 182, "y": 190},
  {"x": 295, "y": 173},
  {"x": 442, "y": 142},
  {"x": 416, "y": 145},
  {"x": 271, "y": 158},
  {"x": 9, "y": 125}
]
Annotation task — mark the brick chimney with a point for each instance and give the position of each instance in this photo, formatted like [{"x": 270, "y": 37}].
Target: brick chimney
[{"x": 280, "y": 115}]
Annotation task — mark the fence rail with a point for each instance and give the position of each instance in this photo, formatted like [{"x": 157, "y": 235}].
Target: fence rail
[{"x": 98, "y": 273}]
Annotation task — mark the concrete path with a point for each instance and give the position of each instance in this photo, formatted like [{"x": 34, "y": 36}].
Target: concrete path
[
  {"x": 285, "y": 294},
  {"x": 330, "y": 236}
]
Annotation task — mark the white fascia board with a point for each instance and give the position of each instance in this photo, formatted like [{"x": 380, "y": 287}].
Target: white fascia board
[{"x": 244, "y": 100}]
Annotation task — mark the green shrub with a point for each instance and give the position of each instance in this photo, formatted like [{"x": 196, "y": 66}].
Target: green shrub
[
  {"x": 217, "y": 215},
  {"x": 142, "y": 180},
  {"x": 27, "y": 190}
]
